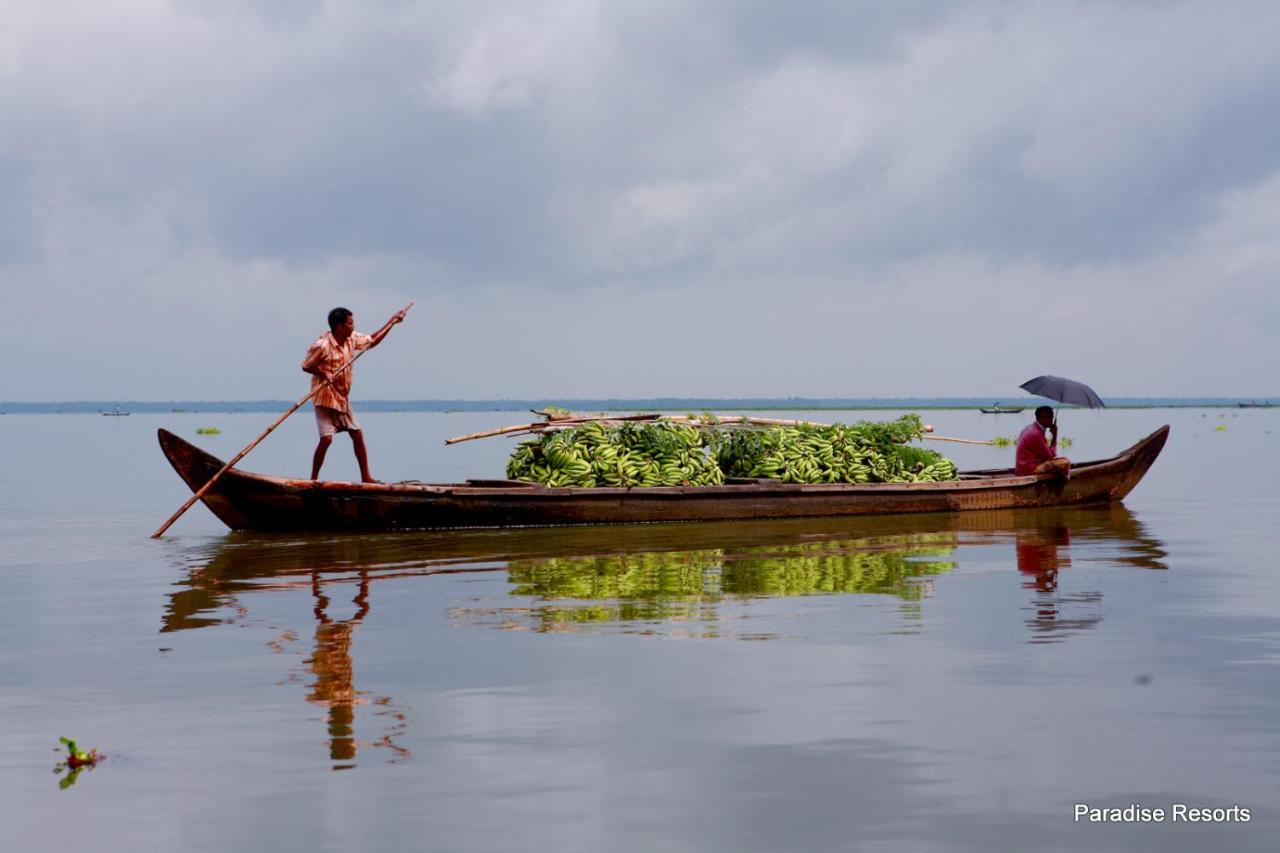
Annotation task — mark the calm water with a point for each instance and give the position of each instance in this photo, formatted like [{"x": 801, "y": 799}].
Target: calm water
[{"x": 913, "y": 683}]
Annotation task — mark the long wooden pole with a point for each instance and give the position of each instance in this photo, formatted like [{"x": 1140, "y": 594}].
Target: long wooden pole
[
  {"x": 572, "y": 420},
  {"x": 243, "y": 453},
  {"x": 956, "y": 440},
  {"x": 540, "y": 426}
]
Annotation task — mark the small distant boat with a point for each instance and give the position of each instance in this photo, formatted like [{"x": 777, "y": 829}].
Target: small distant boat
[
  {"x": 1256, "y": 405},
  {"x": 116, "y": 414},
  {"x": 997, "y": 409}
]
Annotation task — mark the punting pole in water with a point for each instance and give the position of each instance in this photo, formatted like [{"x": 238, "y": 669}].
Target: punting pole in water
[{"x": 298, "y": 405}]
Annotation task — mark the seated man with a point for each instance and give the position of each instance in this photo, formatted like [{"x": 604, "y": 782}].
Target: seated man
[{"x": 1034, "y": 455}]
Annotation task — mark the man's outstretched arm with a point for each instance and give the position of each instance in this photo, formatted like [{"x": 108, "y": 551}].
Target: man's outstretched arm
[{"x": 377, "y": 336}]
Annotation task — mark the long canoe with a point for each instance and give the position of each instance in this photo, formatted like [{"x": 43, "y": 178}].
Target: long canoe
[{"x": 246, "y": 501}]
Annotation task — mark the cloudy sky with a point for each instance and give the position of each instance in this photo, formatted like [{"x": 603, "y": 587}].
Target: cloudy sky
[{"x": 620, "y": 198}]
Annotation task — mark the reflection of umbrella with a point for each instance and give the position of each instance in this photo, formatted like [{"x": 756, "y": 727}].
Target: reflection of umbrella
[{"x": 1064, "y": 391}]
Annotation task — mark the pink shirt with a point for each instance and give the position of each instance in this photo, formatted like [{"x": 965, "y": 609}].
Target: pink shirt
[{"x": 1032, "y": 450}]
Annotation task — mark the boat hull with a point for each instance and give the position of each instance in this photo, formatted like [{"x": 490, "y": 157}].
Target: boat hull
[{"x": 246, "y": 501}]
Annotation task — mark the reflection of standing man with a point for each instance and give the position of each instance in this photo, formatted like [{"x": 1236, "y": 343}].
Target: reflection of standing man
[
  {"x": 324, "y": 361},
  {"x": 335, "y": 687},
  {"x": 1034, "y": 454},
  {"x": 335, "y": 674}
]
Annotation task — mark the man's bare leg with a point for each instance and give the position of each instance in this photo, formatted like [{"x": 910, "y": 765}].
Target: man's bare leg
[
  {"x": 318, "y": 459},
  {"x": 362, "y": 456}
]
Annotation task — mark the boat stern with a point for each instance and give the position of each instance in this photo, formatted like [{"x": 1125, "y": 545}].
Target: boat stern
[{"x": 1139, "y": 460}]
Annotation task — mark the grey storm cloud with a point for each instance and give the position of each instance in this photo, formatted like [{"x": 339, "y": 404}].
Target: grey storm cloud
[{"x": 525, "y": 164}]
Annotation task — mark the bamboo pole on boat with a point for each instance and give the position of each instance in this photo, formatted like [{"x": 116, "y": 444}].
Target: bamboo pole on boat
[
  {"x": 489, "y": 433},
  {"x": 957, "y": 440},
  {"x": 556, "y": 423},
  {"x": 559, "y": 422},
  {"x": 243, "y": 453}
]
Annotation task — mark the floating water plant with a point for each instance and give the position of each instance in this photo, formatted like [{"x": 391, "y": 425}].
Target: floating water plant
[
  {"x": 208, "y": 431},
  {"x": 1220, "y": 428},
  {"x": 77, "y": 760},
  {"x": 1065, "y": 442},
  {"x": 77, "y": 757}
]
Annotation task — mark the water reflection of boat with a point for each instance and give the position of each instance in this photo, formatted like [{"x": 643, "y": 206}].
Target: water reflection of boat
[
  {"x": 242, "y": 563},
  {"x": 677, "y": 571},
  {"x": 674, "y": 578},
  {"x": 245, "y": 501}
]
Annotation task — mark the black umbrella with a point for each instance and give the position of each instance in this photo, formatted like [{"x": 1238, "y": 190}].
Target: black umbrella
[{"x": 1064, "y": 391}]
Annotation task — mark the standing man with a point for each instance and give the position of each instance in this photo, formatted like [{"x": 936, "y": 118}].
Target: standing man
[
  {"x": 1034, "y": 455},
  {"x": 323, "y": 361}
]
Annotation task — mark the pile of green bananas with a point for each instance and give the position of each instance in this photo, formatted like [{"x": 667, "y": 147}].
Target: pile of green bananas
[
  {"x": 667, "y": 454},
  {"x": 864, "y": 452},
  {"x": 650, "y": 454}
]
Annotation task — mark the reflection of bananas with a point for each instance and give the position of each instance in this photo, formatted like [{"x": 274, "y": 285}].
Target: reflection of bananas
[
  {"x": 684, "y": 589},
  {"x": 850, "y": 565}
]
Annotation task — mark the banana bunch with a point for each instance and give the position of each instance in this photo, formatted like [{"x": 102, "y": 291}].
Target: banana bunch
[
  {"x": 652, "y": 454},
  {"x": 667, "y": 454},
  {"x": 864, "y": 452}
]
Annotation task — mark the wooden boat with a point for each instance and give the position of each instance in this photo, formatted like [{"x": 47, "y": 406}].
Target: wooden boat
[
  {"x": 116, "y": 414},
  {"x": 997, "y": 409},
  {"x": 245, "y": 501}
]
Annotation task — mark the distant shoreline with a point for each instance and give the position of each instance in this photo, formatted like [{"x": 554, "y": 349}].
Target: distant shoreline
[{"x": 664, "y": 404}]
